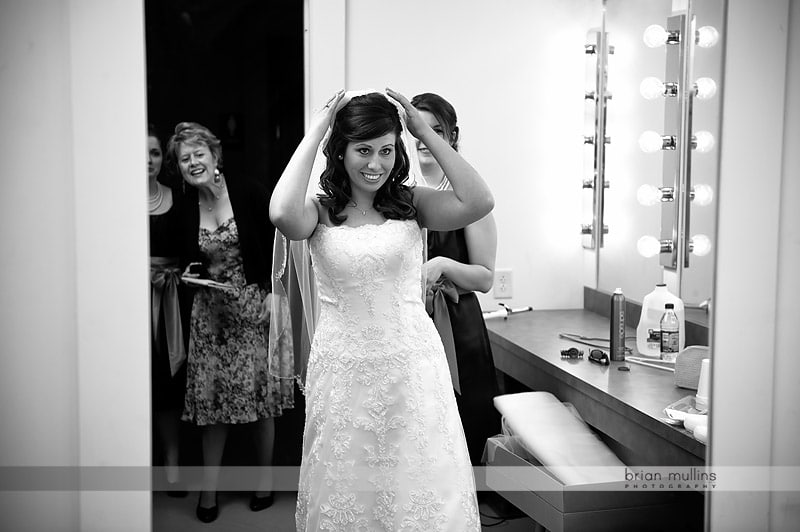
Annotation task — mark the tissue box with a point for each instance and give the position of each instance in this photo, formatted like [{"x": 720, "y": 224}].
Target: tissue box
[
  {"x": 687, "y": 366},
  {"x": 561, "y": 508}
]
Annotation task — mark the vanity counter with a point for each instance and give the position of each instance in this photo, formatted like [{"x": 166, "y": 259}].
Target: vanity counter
[{"x": 623, "y": 405}]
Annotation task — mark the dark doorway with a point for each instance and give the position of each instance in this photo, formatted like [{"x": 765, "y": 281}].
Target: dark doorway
[{"x": 235, "y": 66}]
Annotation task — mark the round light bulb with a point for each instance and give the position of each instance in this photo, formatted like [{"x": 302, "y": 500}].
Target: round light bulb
[
  {"x": 648, "y": 246},
  {"x": 648, "y": 195},
  {"x": 651, "y": 142},
  {"x": 701, "y": 245},
  {"x": 707, "y": 36},
  {"x": 703, "y": 195},
  {"x": 654, "y": 36},
  {"x": 651, "y": 88},
  {"x": 704, "y": 141},
  {"x": 706, "y": 88}
]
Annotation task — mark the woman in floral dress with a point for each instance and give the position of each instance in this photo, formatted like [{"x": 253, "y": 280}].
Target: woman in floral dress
[{"x": 227, "y": 241}]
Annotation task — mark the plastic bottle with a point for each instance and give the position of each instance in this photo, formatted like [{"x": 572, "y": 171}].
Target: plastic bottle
[
  {"x": 617, "y": 328},
  {"x": 648, "y": 332},
  {"x": 670, "y": 334}
]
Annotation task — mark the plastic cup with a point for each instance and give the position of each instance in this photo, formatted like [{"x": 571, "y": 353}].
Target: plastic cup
[{"x": 702, "y": 398}]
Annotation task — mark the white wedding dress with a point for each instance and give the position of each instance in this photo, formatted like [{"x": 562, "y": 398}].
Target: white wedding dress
[{"x": 383, "y": 447}]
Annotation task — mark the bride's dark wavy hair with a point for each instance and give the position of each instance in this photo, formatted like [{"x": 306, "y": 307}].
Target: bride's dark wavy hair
[{"x": 363, "y": 118}]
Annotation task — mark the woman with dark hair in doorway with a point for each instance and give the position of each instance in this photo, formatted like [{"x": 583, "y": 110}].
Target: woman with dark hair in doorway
[{"x": 170, "y": 304}]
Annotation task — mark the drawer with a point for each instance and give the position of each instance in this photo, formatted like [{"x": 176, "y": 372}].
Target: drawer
[{"x": 596, "y": 507}]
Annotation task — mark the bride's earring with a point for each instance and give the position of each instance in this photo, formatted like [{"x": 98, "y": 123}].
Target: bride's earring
[
  {"x": 217, "y": 177},
  {"x": 340, "y": 156}
]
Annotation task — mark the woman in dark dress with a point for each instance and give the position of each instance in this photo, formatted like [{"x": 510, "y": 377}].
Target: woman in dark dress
[
  {"x": 460, "y": 262},
  {"x": 170, "y": 306}
]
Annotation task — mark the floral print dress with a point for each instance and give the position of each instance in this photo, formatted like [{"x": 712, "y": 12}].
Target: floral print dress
[{"x": 228, "y": 377}]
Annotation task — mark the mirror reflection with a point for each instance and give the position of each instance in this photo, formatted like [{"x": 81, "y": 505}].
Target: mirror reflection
[
  {"x": 643, "y": 104},
  {"x": 518, "y": 90}
]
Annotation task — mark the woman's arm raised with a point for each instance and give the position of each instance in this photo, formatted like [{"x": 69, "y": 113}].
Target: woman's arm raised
[
  {"x": 290, "y": 210},
  {"x": 445, "y": 210}
]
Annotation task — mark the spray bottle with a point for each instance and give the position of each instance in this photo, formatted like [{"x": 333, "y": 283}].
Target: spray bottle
[{"x": 617, "y": 330}]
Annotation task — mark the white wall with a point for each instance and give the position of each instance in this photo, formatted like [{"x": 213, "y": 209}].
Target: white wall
[
  {"x": 109, "y": 137},
  {"x": 74, "y": 288},
  {"x": 756, "y": 314},
  {"x": 514, "y": 71},
  {"x": 38, "y": 381},
  {"x": 785, "y": 506}
]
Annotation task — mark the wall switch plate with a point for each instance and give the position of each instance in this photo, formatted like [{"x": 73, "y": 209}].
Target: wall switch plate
[{"x": 503, "y": 285}]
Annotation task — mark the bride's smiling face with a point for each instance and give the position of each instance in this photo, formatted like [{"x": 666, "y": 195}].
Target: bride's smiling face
[{"x": 369, "y": 162}]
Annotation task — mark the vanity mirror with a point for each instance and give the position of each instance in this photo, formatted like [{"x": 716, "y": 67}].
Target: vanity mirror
[{"x": 664, "y": 166}]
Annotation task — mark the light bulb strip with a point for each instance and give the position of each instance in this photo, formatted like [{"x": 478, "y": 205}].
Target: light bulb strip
[
  {"x": 672, "y": 139},
  {"x": 598, "y": 139},
  {"x": 677, "y": 192}
]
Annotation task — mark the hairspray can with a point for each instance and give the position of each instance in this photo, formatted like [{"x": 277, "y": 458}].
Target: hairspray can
[{"x": 617, "y": 330}]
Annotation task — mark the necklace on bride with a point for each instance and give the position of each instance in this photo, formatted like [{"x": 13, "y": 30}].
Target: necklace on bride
[
  {"x": 354, "y": 205},
  {"x": 156, "y": 199}
]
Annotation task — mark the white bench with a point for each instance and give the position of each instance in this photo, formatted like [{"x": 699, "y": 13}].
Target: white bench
[{"x": 552, "y": 466}]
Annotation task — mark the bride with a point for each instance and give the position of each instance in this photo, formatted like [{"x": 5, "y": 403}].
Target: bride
[{"x": 383, "y": 445}]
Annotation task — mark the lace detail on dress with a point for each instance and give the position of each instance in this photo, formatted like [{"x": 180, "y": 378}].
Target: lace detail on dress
[{"x": 383, "y": 447}]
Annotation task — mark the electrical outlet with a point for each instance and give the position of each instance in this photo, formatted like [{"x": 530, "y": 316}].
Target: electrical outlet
[{"x": 503, "y": 284}]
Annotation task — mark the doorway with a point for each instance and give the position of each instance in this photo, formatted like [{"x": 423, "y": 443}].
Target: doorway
[{"x": 235, "y": 66}]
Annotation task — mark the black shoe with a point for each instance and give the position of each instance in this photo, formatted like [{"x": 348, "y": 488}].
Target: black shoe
[
  {"x": 261, "y": 503},
  {"x": 207, "y": 515}
]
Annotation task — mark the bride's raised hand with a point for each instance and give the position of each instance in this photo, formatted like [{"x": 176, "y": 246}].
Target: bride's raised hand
[
  {"x": 415, "y": 123},
  {"x": 323, "y": 117}
]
